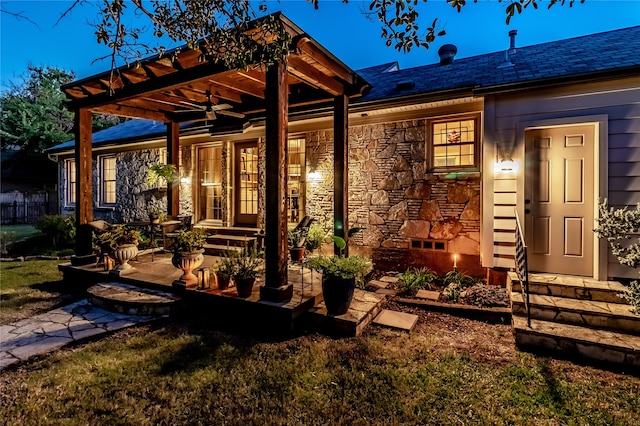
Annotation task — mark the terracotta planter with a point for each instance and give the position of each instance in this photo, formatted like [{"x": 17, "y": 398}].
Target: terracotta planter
[
  {"x": 187, "y": 262},
  {"x": 123, "y": 254},
  {"x": 296, "y": 253},
  {"x": 337, "y": 293},
  {"x": 223, "y": 281},
  {"x": 244, "y": 286}
]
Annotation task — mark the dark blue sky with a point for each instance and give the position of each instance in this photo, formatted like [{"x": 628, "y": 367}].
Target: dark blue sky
[{"x": 341, "y": 28}]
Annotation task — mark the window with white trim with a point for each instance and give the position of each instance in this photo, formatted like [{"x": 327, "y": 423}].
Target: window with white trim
[
  {"x": 70, "y": 182},
  {"x": 296, "y": 182},
  {"x": 107, "y": 180},
  {"x": 454, "y": 142}
]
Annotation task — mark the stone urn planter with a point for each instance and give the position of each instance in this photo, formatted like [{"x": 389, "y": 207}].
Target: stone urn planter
[
  {"x": 187, "y": 262},
  {"x": 123, "y": 254}
]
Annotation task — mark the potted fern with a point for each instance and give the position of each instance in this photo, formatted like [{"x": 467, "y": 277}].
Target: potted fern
[{"x": 340, "y": 275}]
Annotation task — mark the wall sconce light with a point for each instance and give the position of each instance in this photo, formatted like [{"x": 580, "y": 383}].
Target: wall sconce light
[
  {"x": 314, "y": 177},
  {"x": 507, "y": 165},
  {"x": 185, "y": 180}
]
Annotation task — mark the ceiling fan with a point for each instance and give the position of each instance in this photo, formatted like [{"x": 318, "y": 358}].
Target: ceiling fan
[{"x": 209, "y": 109}]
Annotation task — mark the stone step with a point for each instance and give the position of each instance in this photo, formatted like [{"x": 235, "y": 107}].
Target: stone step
[
  {"x": 593, "y": 314},
  {"x": 231, "y": 240},
  {"x": 132, "y": 300},
  {"x": 570, "y": 287},
  {"x": 601, "y": 345},
  {"x": 218, "y": 249},
  {"x": 363, "y": 309},
  {"x": 397, "y": 320}
]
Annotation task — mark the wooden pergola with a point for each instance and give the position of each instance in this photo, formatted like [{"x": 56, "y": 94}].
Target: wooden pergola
[{"x": 178, "y": 87}]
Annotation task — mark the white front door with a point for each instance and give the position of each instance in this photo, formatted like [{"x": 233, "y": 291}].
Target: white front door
[{"x": 559, "y": 199}]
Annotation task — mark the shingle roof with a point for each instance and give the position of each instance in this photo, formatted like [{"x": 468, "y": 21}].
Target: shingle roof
[
  {"x": 541, "y": 63},
  {"x": 580, "y": 56}
]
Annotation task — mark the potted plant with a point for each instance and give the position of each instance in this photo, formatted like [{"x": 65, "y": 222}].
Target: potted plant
[
  {"x": 188, "y": 255},
  {"x": 124, "y": 243},
  {"x": 247, "y": 264},
  {"x": 296, "y": 244},
  {"x": 340, "y": 275},
  {"x": 226, "y": 269},
  {"x": 315, "y": 237},
  {"x": 156, "y": 216}
]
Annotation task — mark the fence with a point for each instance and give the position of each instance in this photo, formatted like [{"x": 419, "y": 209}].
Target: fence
[{"x": 24, "y": 211}]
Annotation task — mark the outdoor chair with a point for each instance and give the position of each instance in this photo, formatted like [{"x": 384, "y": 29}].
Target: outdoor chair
[{"x": 303, "y": 228}]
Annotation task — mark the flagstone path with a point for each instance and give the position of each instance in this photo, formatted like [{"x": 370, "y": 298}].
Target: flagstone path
[{"x": 52, "y": 330}]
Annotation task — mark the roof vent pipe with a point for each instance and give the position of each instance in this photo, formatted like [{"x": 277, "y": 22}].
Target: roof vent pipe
[
  {"x": 512, "y": 45},
  {"x": 447, "y": 53}
]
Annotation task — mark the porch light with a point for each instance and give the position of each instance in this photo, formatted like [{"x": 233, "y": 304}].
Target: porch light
[
  {"x": 314, "y": 177},
  {"x": 507, "y": 165},
  {"x": 185, "y": 180}
]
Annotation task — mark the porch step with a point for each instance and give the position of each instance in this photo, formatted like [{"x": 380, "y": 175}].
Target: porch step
[
  {"x": 228, "y": 230},
  {"x": 132, "y": 300},
  {"x": 587, "y": 313},
  {"x": 602, "y": 345},
  {"x": 219, "y": 249},
  {"x": 571, "y": 287},
  {"x": 363, "y": 309},
  {"x": 231, "y": 240}
]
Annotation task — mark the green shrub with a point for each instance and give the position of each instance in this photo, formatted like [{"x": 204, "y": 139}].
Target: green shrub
[
  {"x": 58, "y": 229},
  {"x": 460, "y": 278},
  {"x": 618, "y": 226},
  {"x": 6, "y": 239},
  {"x": 414, "y": 279}
]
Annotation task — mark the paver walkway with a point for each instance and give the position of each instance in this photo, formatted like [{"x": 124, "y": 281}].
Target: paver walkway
[{"x": 52, "y": 330}]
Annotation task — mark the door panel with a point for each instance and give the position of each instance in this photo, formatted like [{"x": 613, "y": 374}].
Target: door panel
[
  {"x": 559, "y": 196},
  {"x": 210, "y": 181},
  {"x": 246, "y": 183}
]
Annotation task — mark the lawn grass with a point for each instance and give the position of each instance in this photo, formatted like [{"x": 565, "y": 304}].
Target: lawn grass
[
  {"x": 20, "y": 231},
  {"x": 185, "y": 373},
  {"x": 27, "y": 288}
]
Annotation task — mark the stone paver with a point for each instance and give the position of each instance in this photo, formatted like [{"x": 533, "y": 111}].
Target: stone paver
[
  {"x": 52, "y": 330},
  {"x": 428, "y": 294},
  {"x": 395, "y": 319}
]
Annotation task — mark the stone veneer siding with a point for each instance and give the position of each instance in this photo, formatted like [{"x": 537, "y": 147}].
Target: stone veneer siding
[
  {"x": 135, "y": 197},
  {"x": 392, "y": 196}
]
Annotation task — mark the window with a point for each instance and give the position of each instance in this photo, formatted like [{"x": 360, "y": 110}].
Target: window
[
  {"x": 70, "y": 183},
  {"x": 296, "y": 181},
  {"x": 108, "y": 180},
  {"x": 454, "y": 143},
  {"x": 210, "y": 168}
]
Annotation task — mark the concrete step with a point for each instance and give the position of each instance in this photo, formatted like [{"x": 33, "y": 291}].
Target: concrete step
[
  {"x": 587, "y": 313},
  {"x": 219, "y": 249},
  {"x": 231, "y": 240},
  {"x": 132, "y": 300},
  {"x": 601, "y": 345},
  {"x": 570, "y": 287}
]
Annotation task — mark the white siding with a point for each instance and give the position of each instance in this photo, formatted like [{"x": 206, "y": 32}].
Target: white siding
[{"x": 618, "y": 102}]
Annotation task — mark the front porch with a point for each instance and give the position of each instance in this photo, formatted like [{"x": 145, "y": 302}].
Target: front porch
[{"x": 305, "y": 310}]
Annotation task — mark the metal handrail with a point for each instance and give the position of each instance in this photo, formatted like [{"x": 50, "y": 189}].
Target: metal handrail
[{"x": 522, "y": 267}]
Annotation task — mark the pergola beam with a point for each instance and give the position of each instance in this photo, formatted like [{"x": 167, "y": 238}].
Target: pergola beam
[{"x": 341, "y": 168}]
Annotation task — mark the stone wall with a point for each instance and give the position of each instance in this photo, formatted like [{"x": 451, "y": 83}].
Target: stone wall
[
  {"x": 396, "y": 200},
  {"x": 135, "y": 197}
]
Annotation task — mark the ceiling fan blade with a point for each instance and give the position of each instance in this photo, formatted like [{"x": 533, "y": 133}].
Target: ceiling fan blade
[{"x": 230, "y": 113}]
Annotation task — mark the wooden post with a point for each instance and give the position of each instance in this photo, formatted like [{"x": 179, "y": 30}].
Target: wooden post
[
  {"x": 341, "y": 168},
  {"x": 84, "y": 183},
  {"x": 277, "y": 287},
  {"x": 173, "y": 157}
]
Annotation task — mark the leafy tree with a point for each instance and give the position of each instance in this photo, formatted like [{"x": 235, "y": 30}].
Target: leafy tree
[
  {"x": 619, "y": 226},
  {"x": 33, "y": 113},
  {"x": 219, "y": 26}
]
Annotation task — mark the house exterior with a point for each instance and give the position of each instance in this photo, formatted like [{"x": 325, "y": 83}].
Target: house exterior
[{"x": 440, "y": 158}]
